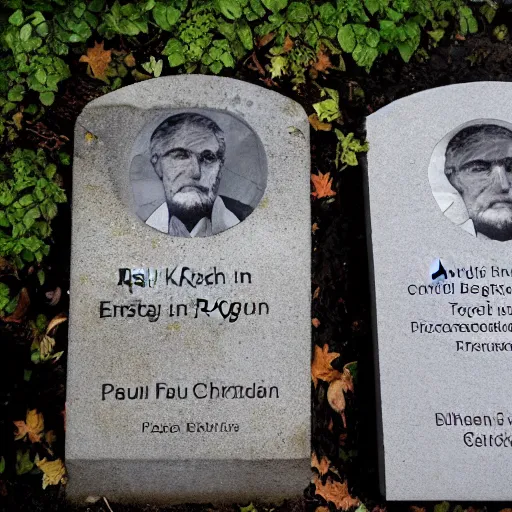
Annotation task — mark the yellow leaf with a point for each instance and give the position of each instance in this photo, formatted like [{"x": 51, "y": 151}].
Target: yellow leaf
[
  {"x": 55, "y": 321},
  {"x": 54, "y": 472},
  {"x": 335, "y": 492},
  {"x": 321, "y": 368},
  {"x": 50, "y": 437},
  {"x": 322, "y": 184},
  {"x": 17, "y": 119},
  {"x": 98, "y": 60},
  {"x": 33, "y": 426},
  {"x": 319, "y": 125}
]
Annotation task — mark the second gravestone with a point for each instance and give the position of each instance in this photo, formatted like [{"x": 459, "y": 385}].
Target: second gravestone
[
  {"x": 440, "y": 211},
  {"x": 189, "y": 353}
]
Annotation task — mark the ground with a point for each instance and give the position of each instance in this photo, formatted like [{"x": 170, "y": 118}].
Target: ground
[{"x": 340, "y": 287}]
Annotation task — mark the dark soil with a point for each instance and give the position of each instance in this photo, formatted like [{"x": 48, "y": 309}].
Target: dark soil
[{"x": 339, "y": 269}]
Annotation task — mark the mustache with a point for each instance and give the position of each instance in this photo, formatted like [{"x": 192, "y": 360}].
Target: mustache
[{"x": 201, "y": 188}]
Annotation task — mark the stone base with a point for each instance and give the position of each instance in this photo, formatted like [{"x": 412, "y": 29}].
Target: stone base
[{"x": 193, "y": 481}]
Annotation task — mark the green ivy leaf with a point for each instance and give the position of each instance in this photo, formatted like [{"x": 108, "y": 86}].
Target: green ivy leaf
[
  {"x": 298, "y": 12},
  {"x": 275, "y": 5},
  {"x": 175, "y": 52},
  {"x": 16, "y": 93},
  {"x": 231, "y": 9},
  {"x": 26, "y": 32},
  {"x": 47, "y": 98},
  {"x": 23, "y": 462},
  {"x": 16, "y": 18},
  {"x": 372, "y": 37},
  {"x": 245, "y": 34},
  {"x": 347, "y": 38}
]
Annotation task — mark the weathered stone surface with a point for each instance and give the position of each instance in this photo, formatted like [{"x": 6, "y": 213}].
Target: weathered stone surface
[
  {"x": 156, "y": 447},
  {"x": 444, "y": 333}
]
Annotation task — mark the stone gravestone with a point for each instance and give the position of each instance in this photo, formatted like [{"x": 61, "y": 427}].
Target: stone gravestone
[
  {"x": 189, "y": 352},
  {"x": 440, "y": 216}
]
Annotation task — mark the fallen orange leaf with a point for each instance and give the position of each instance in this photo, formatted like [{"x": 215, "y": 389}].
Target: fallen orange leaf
[
  {"x": 319, "y": 125},
  {"x": 288, "y": 44},
  {"x": 321, "y": 368},
  {"x": 314, "y": 227},
  {"x": 315, "y": 322},
  {"x": 263, "y": 41},
  {"x": 322, "y": 184},
  {"x": 317, "y": 293},
  {"x": 33, "y": 426},
  {"x": 323, "y": 62},
  {"x": 55, "y": 321},
  {"x": 335, "y": 492},
  {"x": 98, "y": 59},
  {"x": 322, "y": 465}
]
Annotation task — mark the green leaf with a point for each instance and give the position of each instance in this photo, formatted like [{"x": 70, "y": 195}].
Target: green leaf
[
  {"x": 347, "y": 38},
  {"x": 47, "y": 98},
  {"x": 96, "y": 5},
  {"x": 16, "y": 93},
  {"x": 372, "y": 37},
  {"x": 41, "y": 75},
  {"x": 175, "y": 52},
  {"x": 436, "y": 35},
  {"x": 245, "y": 34},
  {"x": 407, "y": 49},
  {"x": 275, "y": 5},
  {"x": 27, "y": 374},
  {"x": 298, "y": 12},
  {"x": 23, "y": 462},
  {"x": 42, "y": 29},
  {"x": 442, "y": 507},
  {"x": 16, "y": 18},
  {"x": 41, "y": 276},
  {"x": 26, "y": 32},
  {"x": 365, "y": 55},
  {"x": 2, "y": 464},
  {"x": 231, "y": 9},
  {"x": 4, "y": 290},
  {"x": 257, "y": 8}
]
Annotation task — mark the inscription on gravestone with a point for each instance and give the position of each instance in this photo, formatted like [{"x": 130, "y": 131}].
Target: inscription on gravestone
[
  {"x": 440, "y": 215},
  {"x": 190, "y": 297}
]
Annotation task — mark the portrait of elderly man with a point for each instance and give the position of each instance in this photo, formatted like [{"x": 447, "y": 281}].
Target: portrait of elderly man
[
  {"x": 478, "y": 165},
  {"x": 187, "y": 152}
]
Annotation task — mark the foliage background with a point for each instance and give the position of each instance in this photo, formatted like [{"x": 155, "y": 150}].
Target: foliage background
[{"x": 341, "y": 60}]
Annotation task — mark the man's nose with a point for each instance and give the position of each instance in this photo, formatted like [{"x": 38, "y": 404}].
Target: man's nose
[
  {"x": 195, "y": 166},
  {"x": 503, "y": 176}
]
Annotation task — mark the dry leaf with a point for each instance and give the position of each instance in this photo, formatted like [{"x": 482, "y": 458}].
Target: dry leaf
[
  {"x": 322, "y": 509},
  {"x": 317, "y": 293},
  {"x": 321, "y": 466},
  {"x": 55, "y": 321},
  {"x": 330, "y": 426},
  {"x": 33, "y": 426},
  {"x": 336, "y": 492},
  {"x": 50, "y": 437},
  {"x": 315, "y": 322},
  {"x": 413, "y": 508},
  {"x": 21, "y": 308},
  {"x": 336, "y": 399},
  {"x": 322, "y": 184},
  {"x": 98, "y": 59},
  {"x": 129, "y": 60},
  {"x": 336, "y": 393},
  {"x": 319, "y": 125},
  {"x": 321, "y": 368},
  {"x": 314, "y": 227},
  {"x": 46, "y": 347},
  {"x": 288, "y": 44},
  {"x": 263, "y": 41},
  {"x": 17, "y": 119},
  {"x": 323, "y": 62},
  {"x": 54, "y": 472}
]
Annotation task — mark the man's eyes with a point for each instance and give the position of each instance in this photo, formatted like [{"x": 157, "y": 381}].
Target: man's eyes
[{"x": 208, "y": 157}]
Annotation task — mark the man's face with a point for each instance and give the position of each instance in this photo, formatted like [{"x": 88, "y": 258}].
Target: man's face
[
  {"x": 189, "y": 165},
  {"x": 482, "y": 174}
]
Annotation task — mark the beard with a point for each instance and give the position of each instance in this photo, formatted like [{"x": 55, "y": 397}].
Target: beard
[
  {"x": 495, "y": 223},
  {"x": 192, "y": 204}
]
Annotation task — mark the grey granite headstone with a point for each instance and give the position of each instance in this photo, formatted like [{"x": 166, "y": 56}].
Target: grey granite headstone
[
  {"x": 189, "y": 351},
  {"x": 440, "y": 213}
]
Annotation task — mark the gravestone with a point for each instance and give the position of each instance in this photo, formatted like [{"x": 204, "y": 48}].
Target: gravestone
[
  {"x": 189, "y": 351},
  {"x": 439, "y": 212}
]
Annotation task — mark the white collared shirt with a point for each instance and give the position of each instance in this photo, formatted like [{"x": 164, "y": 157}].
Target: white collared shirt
[{"x": 221, "y": 219}]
